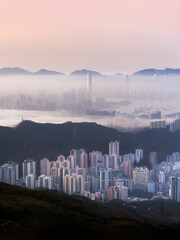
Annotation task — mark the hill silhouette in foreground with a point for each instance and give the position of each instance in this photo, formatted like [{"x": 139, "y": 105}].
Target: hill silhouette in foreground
[
  {"x": 35, "y": 140},
  {"x": 27, "y": 214}
]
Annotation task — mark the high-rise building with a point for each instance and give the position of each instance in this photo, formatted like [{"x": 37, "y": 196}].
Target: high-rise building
[
  {"x": 151, "y": 187},
  {"x": 176, "y": 156},
  {"x": 106, "y": 161},
  {"x": 94, "y": 183},
  {"x": 138, "y": 155},
  {"x": 54, "y": 171},
  {"x": 45, "y": 182},
  {"x": 41, "y": 181},
  {"x": 127, "y": 167},
  {"x": 29, "y": 167},
  {"x": 30, "y": 181},
  {"x": 117, "y": 192},
  {"x": 72, "y": 161},
  {"x": 175, "y": 188},
  {"x": 56, "y": 178},
  {"x": 48, "y": 182},
  {"x": 112, "y": 193},
  {"x": 87, "y": 186},
  {"x": 175, "y": 126},
  {"x": 141, "y": 176},
  {"x": 9, "y": 173},
  {"x": 161, "y": 177},
  {"x": 80, "y": 184},
  {"x": 60, "y": 175},
  {"x": 158, "y": 124},
  {"x": 114, "y": 161},
  {"x": 66, "y": 163},
  {"x": 77, "y": 154},
  {"x": 89, "y": 87},
  {"x": 81, "y": 171},
  {"x": 84, "y": 160},
  {"x": 71, "y": 184},
  {"x": 153, "y": 158},
  {"x": 155, "y": 115},
  {"x": 66, "y": 172},
  {"x": 123, "y": 193},
  {"x": 61, "y": 158},
  {"x": 114, "y": 148},
  {"x": 65, "y": 183},
  {"x": 93, "y": 156},
  {"x": 45, "y": 167},
  {"x": 127, "y": 164},
  {"x": 105, "y": 178}
]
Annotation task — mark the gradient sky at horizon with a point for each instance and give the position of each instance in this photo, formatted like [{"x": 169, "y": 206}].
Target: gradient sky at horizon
[{"x": 107, "y": 36}]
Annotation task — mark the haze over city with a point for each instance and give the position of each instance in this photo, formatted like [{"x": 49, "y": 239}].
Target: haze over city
[{"x": 89, "y": 119}]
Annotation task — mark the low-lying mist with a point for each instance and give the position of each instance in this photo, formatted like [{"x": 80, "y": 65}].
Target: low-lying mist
[{"x": 129, "y": 97}]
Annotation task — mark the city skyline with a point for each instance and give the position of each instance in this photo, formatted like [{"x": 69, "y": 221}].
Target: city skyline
[
  {"x": 99, "y": 177},
  {"x": 89, "y": 119}
]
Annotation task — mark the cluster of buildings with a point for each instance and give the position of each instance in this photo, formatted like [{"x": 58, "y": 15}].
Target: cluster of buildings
[
  {"x": 173, "y": 126},
  {"x": 76, "y": 101},
  {"x": 97, "y": 176}
]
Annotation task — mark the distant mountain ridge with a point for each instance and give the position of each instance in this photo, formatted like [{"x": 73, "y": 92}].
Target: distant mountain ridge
[
  {"x": 20, "y": 71},
  {"x": 48, "y": 72},
  {"x": 13, "y": 71},
  {"x": 83, "y": 72},
  {"x": 157, "y": 72}
]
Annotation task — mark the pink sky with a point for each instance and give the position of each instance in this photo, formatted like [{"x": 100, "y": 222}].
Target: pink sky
[{"x": 107, "y": 36}]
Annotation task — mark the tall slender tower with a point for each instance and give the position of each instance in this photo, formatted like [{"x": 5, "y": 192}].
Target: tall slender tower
[
  {"x": 89, "y": 87},
  {"x": 114, "y": 148}
]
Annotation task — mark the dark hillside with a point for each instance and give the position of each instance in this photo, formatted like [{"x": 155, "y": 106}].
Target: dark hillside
[
  {"x": 26, "y": 214},
  {"x": 36, "y": 140}
]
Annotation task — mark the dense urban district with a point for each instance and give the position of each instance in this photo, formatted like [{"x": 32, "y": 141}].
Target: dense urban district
[{"x": 100, "y": 177}]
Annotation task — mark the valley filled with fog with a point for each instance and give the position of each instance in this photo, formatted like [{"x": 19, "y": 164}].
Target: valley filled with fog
[{"x": 119, "y": 101}]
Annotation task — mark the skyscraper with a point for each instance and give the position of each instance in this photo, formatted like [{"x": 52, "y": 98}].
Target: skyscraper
[
  {"x": 89, "y": 90},
  {"x": 9, "y": 173},
  {"x": 138, "y": 155},
  {"x": 71, "y": 184},
  {"x": 77, "y": 154},
  {"x": 105, "y": 178},
  {"x": 141, "y": 175},
  {"x": 84, "y": 160},
  {"x": 114, "y": 148},
  {"x": 72, "y": 161},
  {"x": 80, "y": 183},
  {"x": 45, "y": 167},
  {"x": 89, "y": 86},
  {"x": 40, "y": 181},
  {"x": 123, "y": 193},
  {"x": 29, "y": 167},
  {"x": 95, "y": 157},
  {"x": 30, "y": 181},
  {"x": 175, "y": 188},
  {"x": 105, "y": 161},
  {"x": 153, "y": 158}
]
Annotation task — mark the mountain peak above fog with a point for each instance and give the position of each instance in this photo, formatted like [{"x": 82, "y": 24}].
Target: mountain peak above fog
[
  {"x": 21, "y": 71},
  {"x": 145, "y": 72},
  {"x": 157, "y": 72},
  {"x": 84, "y": 72},
  {"x": 13, "y": 71},
  {"x": 48, "y": 72}
]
